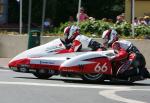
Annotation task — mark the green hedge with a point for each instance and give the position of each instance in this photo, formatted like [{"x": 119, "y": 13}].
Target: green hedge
[{"x": 96, "y": 27}]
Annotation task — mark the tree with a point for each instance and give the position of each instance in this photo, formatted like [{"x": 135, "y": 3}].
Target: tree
[{"x": 60, "y": 10}]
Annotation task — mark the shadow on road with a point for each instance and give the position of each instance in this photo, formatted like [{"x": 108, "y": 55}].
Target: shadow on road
[
  {"x": 78, "y": 81},
  {"x": 107, "y": 83}
]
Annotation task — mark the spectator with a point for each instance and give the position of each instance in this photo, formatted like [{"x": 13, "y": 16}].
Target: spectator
[
  {"x": 120, "y": 19},
  {"x": 123, "y": 16},
  {"x": 82, "y": 16},
  {"x": 71, "y": 19},
  {"x": 141, "y": 21},
  {"x": 135, "y": 22},
  {"x": 48, "y": 23},
  {"x": 147, "y": 20}
]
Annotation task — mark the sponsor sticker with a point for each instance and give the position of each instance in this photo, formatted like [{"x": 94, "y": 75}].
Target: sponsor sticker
[{"x": 46, "y": 62}]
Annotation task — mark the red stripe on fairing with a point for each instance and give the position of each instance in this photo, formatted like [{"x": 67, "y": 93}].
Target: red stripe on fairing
[
  {"x": 76, "y": 69},
  {"x": 39, "y": 66},
  {"x": 84, "y": 69},
  {"x": 16, "y": 63}
]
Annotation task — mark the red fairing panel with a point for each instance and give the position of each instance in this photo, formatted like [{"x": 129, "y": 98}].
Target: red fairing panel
[
  {"x": 75, "y": 69},
  {"x": 99, "y": 65},
  {"x": 26, "y": 61},
  {"x": 39, "y": 66},
  {"x": 16, "y": 63}
]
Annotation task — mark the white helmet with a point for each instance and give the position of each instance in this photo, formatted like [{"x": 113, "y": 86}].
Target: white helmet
[
  {"x": 71, "y": 32},
  {"x": 109, "y": 36}
]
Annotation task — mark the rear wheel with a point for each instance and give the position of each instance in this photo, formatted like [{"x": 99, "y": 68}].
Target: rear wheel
[
  {"x": 93, "y": 77},
  {"x": 42, "y": 75}
]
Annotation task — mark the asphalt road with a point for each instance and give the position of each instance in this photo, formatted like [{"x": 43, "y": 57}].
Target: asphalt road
[{"x": 25, "y": 88}]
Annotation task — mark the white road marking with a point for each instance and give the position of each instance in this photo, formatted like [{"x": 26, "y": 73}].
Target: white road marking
[
  {"x": 4, "y": 70},
  {"x": 64, "y": 85},
  {"x": 111, "y": 94}
]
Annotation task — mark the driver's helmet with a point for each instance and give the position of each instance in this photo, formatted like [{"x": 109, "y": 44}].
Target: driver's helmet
[
  {"x": 109, "y": 37},
  {"x": 70, "y": 33}
]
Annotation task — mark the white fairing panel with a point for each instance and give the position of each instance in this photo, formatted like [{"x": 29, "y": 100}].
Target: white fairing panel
[
  {"x": 81, "y": 59},
  {"x": 43, "y": 50},
  {"x": 70, "y": 59},
  {"x": 57, "y": 59}
]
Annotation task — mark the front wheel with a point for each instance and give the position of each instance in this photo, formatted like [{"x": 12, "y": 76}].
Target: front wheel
[
  {"x": 93, "y": 77},
  {"x": 42, "y": 75}
]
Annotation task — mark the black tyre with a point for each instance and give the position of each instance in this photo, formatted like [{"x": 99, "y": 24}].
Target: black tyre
[
  {"x": 42, "y": 75},
  {"x": 93, "y": 77}
]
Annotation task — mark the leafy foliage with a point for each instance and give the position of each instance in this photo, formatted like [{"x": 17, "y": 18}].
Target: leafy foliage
[
  {"x": 142, "y": 30},
  {"x": 96, "y": 27}
]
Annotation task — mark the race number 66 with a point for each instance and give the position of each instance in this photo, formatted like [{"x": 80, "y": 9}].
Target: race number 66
[{"x": 101, "y": 68}]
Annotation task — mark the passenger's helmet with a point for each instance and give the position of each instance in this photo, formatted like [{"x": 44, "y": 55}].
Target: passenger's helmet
[
  {"x": 109, "y": 36},
  {"x": 70, "y": 33}
]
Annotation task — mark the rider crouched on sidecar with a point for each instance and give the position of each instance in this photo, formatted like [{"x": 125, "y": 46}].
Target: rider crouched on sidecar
[
  {"x": 129, "y": 59},
  {"x": 75, "y": 41}
]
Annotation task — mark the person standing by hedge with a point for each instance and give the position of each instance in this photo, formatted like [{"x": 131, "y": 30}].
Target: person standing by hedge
[
  {"x": 82, "y": 15},
  {"x": 147, "y": 20}
]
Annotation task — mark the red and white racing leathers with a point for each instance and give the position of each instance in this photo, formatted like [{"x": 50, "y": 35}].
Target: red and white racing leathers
[
  {"x": 80, "y": 42},
  {"x": 122, "y": 49},
  {"x": 83, "y": 43},
  {"x": 125, "y": 49}
]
